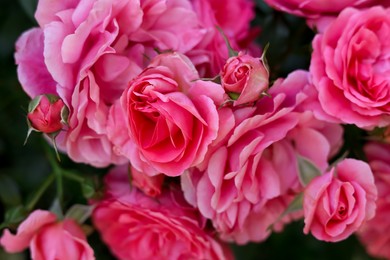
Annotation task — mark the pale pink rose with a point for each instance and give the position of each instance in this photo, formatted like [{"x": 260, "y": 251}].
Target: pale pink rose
[
  {"x": 246, "y": 77},
  {"x": 135, "y": 226},
  {"x": 48, "y": 239},
  {"x": 46, "y": 114},
  {"x": 252, "y": 174},
  {"x": 375, "y": 234},
  {"x": 233, "y": 18},
  {"x": 316, "y": 8},
  {"x": 337, "y": 203},
  {"x": 87, "y": 51},
  {"x": 171, "y": 116},
  {"x": 150, "y": 185},
  {"x": 350, "y": 67}
]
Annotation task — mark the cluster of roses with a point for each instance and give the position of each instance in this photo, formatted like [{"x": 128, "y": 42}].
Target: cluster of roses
[{"x": 122, "y": 82}]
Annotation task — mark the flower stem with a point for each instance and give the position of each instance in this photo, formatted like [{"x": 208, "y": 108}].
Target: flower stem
[
  {"x": 57, "y": 172},
  {"x": 39, "y": 193}
]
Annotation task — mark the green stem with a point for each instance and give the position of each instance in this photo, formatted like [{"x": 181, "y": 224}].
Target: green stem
[
  {"x": 72, "y": 176},
  {"x": 57, "y": 173},
  {"x": 39, "y": 193}
]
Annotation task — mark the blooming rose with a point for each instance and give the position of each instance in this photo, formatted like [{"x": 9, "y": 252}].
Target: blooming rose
[
  {"x": 48, "y": 239},
  {"x": 45, "y": 114},
  {"x": 350, "y": 67},
  {"x": 375, "y": 234},
  {"x": 316, "y": 8},
  {"x": 338, "y": 202},
  {"x": 87, "y": 51},
  {"x": 245, "y": 76},
  {"x": 135, "y": 226},
  {"x": 252, "y": 175},
  {"x": 171, "y": 116}
]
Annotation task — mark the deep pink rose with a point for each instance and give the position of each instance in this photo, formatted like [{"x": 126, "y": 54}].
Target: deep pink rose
[
  {"x": 135, "y": 226},
  {"x": 375, "y": 234},
  {"x": 350, "y": 67},
  {"x": 48, "y": 239},
  {"x": 233, "y": 17},
  {"x": 171, "y": 116},
  {"x": 316, "y": 8},
  {"x": 337, "y": 203},
  {"x": 246, "y": 77},
  {"x": 87, "y": 51},
  {"x": 46, "y": 114},
  {"x": 252, "y": 174},
  {"x": 150, "y": 185}
]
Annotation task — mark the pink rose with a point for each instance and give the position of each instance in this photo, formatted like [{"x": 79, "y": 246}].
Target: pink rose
[
  {"x": 375, "y": 234},
  {"x": 234, "y": 18},
  {"x": 350, "y": 68},
  {"x": 171, "y": 116},
  {"x": 135, "y": 226},
  {"x": 252, "y": 174},
  {"x": 316, "y": 8},
  {"x": 45, "y": 114},
  {"x": 48, "y": 239},
  {"x": 87, "y": 51},
  {"x": 337, "y": 203},
  {"x": 150, "y": 185},
  {"x": 246, "y": 77}
]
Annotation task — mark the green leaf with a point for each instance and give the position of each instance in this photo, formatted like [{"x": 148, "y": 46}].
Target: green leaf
[
  {"x": 9, "y": 191},
  {"x": 307, "y": 170},
  {"x": 79, "y": 212}
]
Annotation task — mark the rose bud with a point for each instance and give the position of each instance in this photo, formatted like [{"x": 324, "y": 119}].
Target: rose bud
[
  {"x": 47, "y": 114},
  {"x": 244, "y": 78}
]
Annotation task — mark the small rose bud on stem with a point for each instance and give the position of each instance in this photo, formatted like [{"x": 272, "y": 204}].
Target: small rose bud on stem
[{"x": 47, "y": 114}]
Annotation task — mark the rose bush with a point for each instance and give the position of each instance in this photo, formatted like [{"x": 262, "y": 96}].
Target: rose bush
[
  {"x": 350, "y": 67},
  {"x": 337, "y": 203},
  {"x": 135, "y": 226},
  {"x": 48, "y": 239}
]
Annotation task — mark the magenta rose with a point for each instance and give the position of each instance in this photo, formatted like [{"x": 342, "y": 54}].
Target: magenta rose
[
  {"x": 246, "y": 77},
  {"x": 337, "y": 203},
  {"x": 87, "y": 51},
  {"x": 171, "y": 116},
  {"x": 316, "y": 8},
  {"x": 135, "y": 226},
  {"x": 48, "y": 239},
  {"x": 375, "y": 234},
  {"x": 350, "y": 67},
  {"x": 252, "y": 175}
]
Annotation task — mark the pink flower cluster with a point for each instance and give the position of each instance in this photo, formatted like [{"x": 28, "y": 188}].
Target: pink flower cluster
[{"x": 132, "y": 75}]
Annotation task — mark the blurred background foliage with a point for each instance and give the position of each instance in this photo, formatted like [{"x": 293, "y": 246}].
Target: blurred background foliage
[{"x": 23, "y": 169}]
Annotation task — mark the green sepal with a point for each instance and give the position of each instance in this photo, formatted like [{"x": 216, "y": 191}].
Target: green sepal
[
  {"x": 231, "y": 51},
  {"x": 307, "y": 171},
  {"x": 80, "y": 213}
]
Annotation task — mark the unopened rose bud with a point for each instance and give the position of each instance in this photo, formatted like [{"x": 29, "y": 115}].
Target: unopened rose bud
[
  {"x": 47, "y": 114},
  {"x": 244, "y": 78}
]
